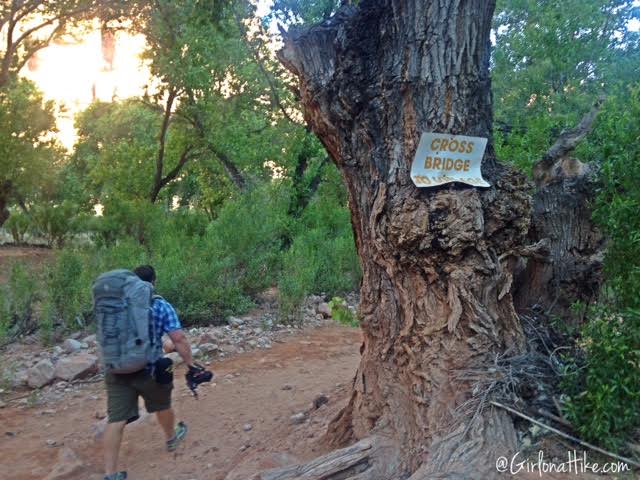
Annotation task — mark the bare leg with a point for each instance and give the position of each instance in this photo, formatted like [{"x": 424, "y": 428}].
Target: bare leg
[
  {"x": 167, "y": 420},
  {"x": 112, "y": 440}
]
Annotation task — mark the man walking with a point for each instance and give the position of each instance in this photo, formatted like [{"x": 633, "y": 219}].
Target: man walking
[{"x": 153, "y": 383}]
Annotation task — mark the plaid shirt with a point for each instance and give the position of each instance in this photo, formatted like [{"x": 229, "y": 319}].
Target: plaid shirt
[{"x": 165, "y": 318}]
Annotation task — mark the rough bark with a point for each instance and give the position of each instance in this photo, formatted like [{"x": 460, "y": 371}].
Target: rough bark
[
  {"x": 571, "y": 271},
  {"x": 437, "y": 263}
]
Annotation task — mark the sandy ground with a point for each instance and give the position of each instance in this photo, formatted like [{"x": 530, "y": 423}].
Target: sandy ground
[{"x": 262, "y": 388}]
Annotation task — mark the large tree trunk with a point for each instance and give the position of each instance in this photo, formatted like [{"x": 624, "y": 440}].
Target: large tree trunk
[
  {"x": 437, "y": 263},
  {"x": 571, "y": 269}
]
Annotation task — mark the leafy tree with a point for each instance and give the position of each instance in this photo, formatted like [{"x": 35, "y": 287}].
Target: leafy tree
[
  {"x": 29, "y": 154},
  {"x": 208, "y": 78},
  {"x": 117, "y": 145},
  {"x": 604, "y": 388},
  {"x": 372, "y": 77},
  {"x": 618, "y": 202},
  {"x": 551, "y": 61},
  {"x": 218, "y": 109},
  {"x": 303, "y": 11}
]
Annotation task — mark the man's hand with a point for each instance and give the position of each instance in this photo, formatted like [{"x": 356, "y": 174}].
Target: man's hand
[{"x": 197, "y": 375}]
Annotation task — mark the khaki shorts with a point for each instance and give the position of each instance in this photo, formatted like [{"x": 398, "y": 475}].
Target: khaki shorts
[{"x": 123, "y": 391}]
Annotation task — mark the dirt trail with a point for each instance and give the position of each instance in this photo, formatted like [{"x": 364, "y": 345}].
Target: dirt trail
[{"x": 262, "y": 388}]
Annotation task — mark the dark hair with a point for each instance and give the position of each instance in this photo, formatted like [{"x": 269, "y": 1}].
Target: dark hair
[{"x": 146, "y": 273}]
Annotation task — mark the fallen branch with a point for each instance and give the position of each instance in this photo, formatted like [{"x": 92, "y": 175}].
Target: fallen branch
[
  {"x": 337, "y": 464},
  {"x": 553, "y": 417},
  {"x": 566, "y": 435}
]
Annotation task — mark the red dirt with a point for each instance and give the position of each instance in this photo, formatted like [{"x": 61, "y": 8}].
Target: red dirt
[{"x": 319, "y": 361}]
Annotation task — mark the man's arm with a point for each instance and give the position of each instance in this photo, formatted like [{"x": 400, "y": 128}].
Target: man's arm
[
  {"x": 171, "y": 326},
  {"x": 182, "y": 346}
]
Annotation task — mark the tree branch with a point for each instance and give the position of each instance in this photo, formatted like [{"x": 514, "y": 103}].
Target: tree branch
[
  {"x": 232, "y": 171},
  {"x": 275, "y": 97},
  {"x": 38, "y": 46},
  {"x": 162, "y": 139},
  {"x": 566, "y": 435},
  {"x": 569, "y": 139},
  {"x": 32, "y": 30},
  {"x": 8, "y": 54},
  {"x": 29, "y": 9},
  {"x": 184, "y": 158}
]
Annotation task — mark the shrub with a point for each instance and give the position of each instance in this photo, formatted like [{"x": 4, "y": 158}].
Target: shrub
[
  {"x": 128, "y": 219},
  {"x": 248, "y": 234},
  {"x": 67, "y": 298},
  {"x": 201, "y": 285},
  {"x": 209, "y": 269},
  {"x": 19, "y": 298},
  {"x": 340, "y": 312},
  {"x": 605, "y": 391},
  {"x": 322, "y": 257},
  {"x": 67, "y": 302},
  {"x": 604, "y": 388},
  {"x": 618, "y": 200},
  {"x": 5, "y": 315},
  {"x": 57, "y": 222},
  {"x": 18, "y": 225}
]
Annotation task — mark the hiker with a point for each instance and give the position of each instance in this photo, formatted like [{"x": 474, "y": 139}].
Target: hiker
[{"x": 154, "y": 381}]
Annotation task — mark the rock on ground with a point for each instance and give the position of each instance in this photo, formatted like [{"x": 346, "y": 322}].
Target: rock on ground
[
  {"x": 324, "y": 310},
  {"x": 208, "y": 347},
  {"x": 298, "y": 418},
  {"x": 20, "y": 378},
  {"x": 40, "y": 374},
  {"x": 320, "y": 400},
  {"x": 235, "y": 322},
  {"x": 68, "y": 464},
  {"x": 76, "y": 366},
  {"x": 71, "y": 345}
]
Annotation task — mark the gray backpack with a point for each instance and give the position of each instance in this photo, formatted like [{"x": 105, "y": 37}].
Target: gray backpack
[{"x": 125, "y": 330}]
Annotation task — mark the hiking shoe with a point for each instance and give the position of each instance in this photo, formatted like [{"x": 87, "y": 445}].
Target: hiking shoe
[
  {"x": 116, "y": 476},
  {"x": 179, "y": 433}
]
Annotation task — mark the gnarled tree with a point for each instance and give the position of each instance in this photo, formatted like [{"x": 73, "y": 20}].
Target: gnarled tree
[
  {"x": 571, "y": 269},
  {"x": 437, "y": 263}
]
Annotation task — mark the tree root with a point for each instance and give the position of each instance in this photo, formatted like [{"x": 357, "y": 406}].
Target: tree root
[
  {"x": 372, "y": 458},
  {"x": 467, "y": 453}
]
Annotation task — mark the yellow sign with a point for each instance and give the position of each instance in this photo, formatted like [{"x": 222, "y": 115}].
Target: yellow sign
[{"x": 443, "y": 158}]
